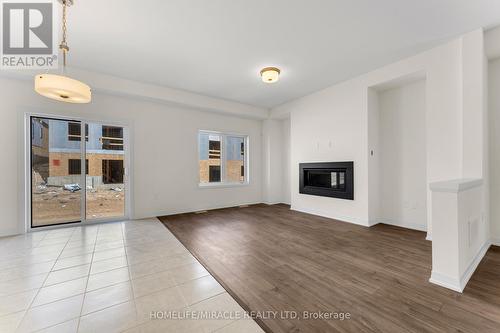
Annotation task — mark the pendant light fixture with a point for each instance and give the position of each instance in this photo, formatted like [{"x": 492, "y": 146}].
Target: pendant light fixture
[{"x": 61, "y": 87}]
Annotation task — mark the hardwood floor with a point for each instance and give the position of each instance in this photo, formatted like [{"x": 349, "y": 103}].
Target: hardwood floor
[{"x": 271, "y": 259}]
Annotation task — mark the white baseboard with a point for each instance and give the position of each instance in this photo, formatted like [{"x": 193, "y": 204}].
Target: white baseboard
[
  {"x": 10, "y": 232},
  {"x": 429, "y": 236},
  {"x": 190, "y": 210},
  {"x": 473, "y": 265},
  {"x": 495, "y": 241},
  {"x": 371, "y": 223},
  {"x": 455, "y": 283},
  {"x": 340, "y": 218},
  {"x": 270, "y": 203},
  {"x": 445, "y": 281},
  {"x": 417, "y": 227}
]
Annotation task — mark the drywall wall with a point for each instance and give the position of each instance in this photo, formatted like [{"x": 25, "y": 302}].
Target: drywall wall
[
  {"x": 458, "y": 244},
  {"x": 336, "y": 124},
  {"x": 325, "y": 127},
  {"x": 272, "y": 145},
  {"x": 402, "y": 156},
  {"x": 275, "y": 161},
  {"x": 494, "y": 147},
  {"x": 112, "y": 85},
  {"x": 164, "y": 151},
  {"x": 332, "y": 125},
  {"x": 492, "y": 43},
  {"x": 286, "y": 177},
  {"x": 374, "y": 199}
]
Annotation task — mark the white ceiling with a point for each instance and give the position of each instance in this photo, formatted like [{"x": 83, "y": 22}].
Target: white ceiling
[{"x": 217, "y": 47}]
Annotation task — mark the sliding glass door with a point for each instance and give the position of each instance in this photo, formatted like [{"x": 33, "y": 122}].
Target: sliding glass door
[
  {"x": 105, "y": 180},
  {"x": 56, "y": 150},
  {"x": 74, "y": 177}
]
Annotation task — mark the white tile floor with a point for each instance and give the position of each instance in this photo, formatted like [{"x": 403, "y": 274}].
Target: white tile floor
[{"x": 108, "y": 278}]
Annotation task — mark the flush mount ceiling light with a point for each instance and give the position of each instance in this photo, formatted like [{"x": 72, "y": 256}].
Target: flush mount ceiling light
[
  {"x": 270, "y": 74},
  {"x": 61, "y": 87}
]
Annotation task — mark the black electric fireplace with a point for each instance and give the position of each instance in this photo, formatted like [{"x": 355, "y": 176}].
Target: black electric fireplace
[{"x": 327, "y": 179}]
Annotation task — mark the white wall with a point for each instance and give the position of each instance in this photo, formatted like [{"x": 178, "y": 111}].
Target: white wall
[
  {"x": 286, "y": 161},
  {"x": 402, "y": 156},
  {"x": 494, "y": 147},
  {"x": 458, "y": 243},
  {"x": 374, "y": 199},
  {"x": 272, "y": 161},
  {"x": 333, "y": 125},
  {"x": 112, "y": 85},
  {"x": 276, "y": 157},
  {"x": 164, "y": 147}
]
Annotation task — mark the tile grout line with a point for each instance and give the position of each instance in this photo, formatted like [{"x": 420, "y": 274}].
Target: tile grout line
[
  {"x": 223, "y": 285},
  {"x": 130, "y": 279},
  {"x": 181, "y": 294},
  {"x": 139, "y": 323},
  {"x": 114, "y": 284},
  {"x": 224, "y": 326},
  {"x": 88, "y": 277},
  {"x": 26, "y": 248},
  {"x": 70, "y": 267},
  {"x": 31, "y": 303},
  {"x": 14, "y": 267}
]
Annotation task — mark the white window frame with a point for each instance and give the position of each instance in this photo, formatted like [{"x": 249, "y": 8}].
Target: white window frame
[{"x": 223, "y": 161}]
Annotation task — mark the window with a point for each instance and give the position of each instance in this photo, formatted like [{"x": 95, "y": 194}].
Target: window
[
  {"x": 112, "y": 138},
  {"x": 214, "y": 148},
  {"x": 222, "y": 158},
  {"x": 75, "y": 167},
  {"x": 75, "y": 132},
  {"x": 112, "y": 171},
  {"x": 213, "y": 173}
]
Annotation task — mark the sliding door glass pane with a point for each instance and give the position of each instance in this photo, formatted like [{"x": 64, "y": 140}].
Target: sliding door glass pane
[
  {"x": 105, "y": 174},
  {"x": 235, "y": 157},
  {"x": 210, "y": 158},
  {"x": 55, "y": 177}
]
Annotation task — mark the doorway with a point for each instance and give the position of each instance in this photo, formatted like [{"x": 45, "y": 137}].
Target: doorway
[{"x": 77, "y": 171}]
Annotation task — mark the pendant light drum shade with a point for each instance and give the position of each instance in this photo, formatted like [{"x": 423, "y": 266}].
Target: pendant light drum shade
[{"x": 62, "y": 88}]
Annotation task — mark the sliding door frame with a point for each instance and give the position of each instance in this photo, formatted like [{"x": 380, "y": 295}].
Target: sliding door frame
[
  {"x": 30, "y": 178},
  {"x": 83, "y": 194},
  {"x": 126, "y": 172}
]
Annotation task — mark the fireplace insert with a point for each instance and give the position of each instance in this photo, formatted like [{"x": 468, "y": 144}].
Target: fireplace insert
[{"x": 327, "y": 179}]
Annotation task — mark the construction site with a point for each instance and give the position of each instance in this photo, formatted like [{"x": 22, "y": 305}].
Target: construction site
[{"x": 66, "y": 187}]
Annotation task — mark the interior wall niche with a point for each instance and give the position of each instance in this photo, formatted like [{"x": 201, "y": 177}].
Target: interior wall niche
[{"x": 397, "y": 154}]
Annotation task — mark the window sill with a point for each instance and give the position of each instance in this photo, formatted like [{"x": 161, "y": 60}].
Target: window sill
[{"x": 221, "y": 185}]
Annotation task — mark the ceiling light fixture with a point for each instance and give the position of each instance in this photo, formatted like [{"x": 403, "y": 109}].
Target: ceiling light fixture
[
  {"x": 61, "y": 87},
  {"x": 270, "y": 74}
]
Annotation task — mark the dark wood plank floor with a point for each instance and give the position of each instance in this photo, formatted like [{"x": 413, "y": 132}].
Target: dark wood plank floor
[{"x": 270, "y": 259}]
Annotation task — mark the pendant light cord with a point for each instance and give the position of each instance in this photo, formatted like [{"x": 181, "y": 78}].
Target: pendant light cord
[{"x": 64, "y": 44}]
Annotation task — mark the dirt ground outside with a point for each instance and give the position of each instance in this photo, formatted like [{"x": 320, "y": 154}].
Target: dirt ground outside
[{"x": 54, "y": 205}]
